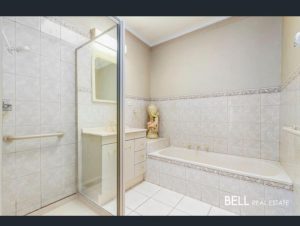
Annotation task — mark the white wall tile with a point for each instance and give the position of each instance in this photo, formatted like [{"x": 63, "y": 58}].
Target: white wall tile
[
  {"x": 270, "y": 98},
  {"x": 50, "y": 68},
  {"x": 68, "y": 73},
  {"x": 270, "y": 114},
  {"x": 26, "y": 36},
  {"x": 30, "y": 21},
  {"x": 172, "y": 169},
  {"x": 50, "y": 28},
  {"x": 67, "y": 52},
  {"x": 28, "y": 64},
  {"x": 236, "y": 119},
  {"x": 50, "y": 90},
  {"x": 50, "y": 113},
  {"x": 27, "y": 162},
  {"x": 27, "y": 88},
  {"x": 8, "y": 86},
  {"x": 52, "y": 183},
  {"x": 50, "y": 46},
  {"x": 210, "y": 195},
  {"x": 51, "y": 157},
  {"x": 27, "y": 113},
  {"x": 194, "y": 190}
]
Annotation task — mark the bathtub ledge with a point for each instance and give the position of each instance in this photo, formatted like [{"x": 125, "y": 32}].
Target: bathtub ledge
[{"x": 224, "y": 173}]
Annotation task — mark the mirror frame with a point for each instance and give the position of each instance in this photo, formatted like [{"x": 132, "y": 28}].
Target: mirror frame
[{"x": 97, "y": 53}]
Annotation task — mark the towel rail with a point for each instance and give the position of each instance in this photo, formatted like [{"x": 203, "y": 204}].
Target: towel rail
[
  {"x": 292, "y": 129},
  {"x": 11, "y": 138}
]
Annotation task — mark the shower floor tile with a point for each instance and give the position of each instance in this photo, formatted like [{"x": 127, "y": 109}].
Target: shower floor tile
[{"x": 72, "y": 208}]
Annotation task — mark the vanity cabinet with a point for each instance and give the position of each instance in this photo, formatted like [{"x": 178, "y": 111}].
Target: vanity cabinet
[
  {"x": 134, "y": 159},
  {"x": 100, "y": 146}
]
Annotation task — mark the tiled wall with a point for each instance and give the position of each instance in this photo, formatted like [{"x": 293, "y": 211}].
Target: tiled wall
[
  {"x": 244, "y": 125},
  {"x": 212, "y": 188},
  {"x": 290, "y": 143},
  {"x": 40, "y": 84},
  {"x": 136, "y": 112}
]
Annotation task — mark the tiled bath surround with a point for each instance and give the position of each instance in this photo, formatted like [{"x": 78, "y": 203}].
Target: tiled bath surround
[
  {"x": 245, "y": 125},
  {"x": 136, "y": 112},
  {"x": 212, "y": 188},
  {"x": 40, "y": 84},
  {"x": 290, "y": 143}
]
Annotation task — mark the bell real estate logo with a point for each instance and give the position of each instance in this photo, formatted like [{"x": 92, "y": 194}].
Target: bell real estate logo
[{"x": 236, "y": 200}]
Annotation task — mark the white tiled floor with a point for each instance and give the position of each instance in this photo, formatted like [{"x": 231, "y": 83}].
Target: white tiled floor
[
  {"x": 150, "y": 199},
  {"x": 143, "y": 200}
]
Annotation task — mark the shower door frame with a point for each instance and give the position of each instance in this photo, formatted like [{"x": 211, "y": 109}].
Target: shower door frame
[
  {"x": 120, "y": 110},
  {"x": 120, "y": 116}
]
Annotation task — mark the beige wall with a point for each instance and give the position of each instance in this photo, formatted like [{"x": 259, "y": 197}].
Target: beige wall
[
  {"x": 239, "y": 53},
  {"x": 290, "y": 54},
  {"x": 290, "y": 105},
  {"x": 137, "y": 67}
]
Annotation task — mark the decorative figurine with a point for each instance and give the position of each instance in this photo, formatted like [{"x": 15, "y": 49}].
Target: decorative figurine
[{"x": 152, "y": 125}]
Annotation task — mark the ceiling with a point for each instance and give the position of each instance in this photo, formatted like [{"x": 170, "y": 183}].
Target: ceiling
[{"x": 154, "y": 30}]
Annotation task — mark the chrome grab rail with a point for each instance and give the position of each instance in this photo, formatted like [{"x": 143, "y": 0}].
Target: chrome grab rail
[
  {"x": 292, "y": 129},
  {"x": 11, "y": 138}
]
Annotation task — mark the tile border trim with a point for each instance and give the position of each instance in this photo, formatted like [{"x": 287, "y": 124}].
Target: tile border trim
[
  {"x": 291, "y": 78},
  {"x": 215, "y": 94},
  {"x": 223, "y": 173}
]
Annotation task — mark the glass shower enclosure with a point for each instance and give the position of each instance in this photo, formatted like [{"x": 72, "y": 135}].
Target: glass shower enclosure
[
  {"x": 99, "y": 70},
  {"x": 73, "y": 66}
]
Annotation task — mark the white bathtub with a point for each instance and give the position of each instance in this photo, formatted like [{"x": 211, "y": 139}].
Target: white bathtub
[{"x": 256, "y": 168}]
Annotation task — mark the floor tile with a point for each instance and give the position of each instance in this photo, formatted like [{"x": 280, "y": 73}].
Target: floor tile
[
  {"x": 133, "y": 213},
  {"x": 73, "y": 208},
  {"x": 167, "y": 197},
  {"x": 153, "y": 208},
  {"x": 193, "y": 206},
  {"x": 219, "y": 212},
  {"x": 147, "y": 188},
  {"x": 133, "y": 199},
  {"x": 111, "y": 207},
  {"x": 176, "y": 212}
]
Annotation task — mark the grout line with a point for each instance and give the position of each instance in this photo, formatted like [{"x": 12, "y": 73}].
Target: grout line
[{"x": 209, "y": 210}]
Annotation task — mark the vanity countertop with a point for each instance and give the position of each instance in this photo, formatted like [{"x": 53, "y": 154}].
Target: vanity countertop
[{"x": 99, "y": 131}]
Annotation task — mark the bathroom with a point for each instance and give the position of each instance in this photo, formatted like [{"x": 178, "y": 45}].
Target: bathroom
[{"x": 75, "y": 97}]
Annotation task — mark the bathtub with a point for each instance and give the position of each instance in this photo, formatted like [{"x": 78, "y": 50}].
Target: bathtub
[
  {"x": 213, "y": 177},
  {"x": 255, "y": 168}
]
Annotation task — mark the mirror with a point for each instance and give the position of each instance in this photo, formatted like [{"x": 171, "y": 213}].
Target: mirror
[{"x": 104, "y": 71}]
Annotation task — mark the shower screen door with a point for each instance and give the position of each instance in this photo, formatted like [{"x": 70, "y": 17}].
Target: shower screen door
[{"x": 99, "y": 70}]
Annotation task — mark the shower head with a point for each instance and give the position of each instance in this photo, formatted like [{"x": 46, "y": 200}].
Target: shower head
[
  {"x": 11, "y": 49},
  {"x": 22, "y": 48}
]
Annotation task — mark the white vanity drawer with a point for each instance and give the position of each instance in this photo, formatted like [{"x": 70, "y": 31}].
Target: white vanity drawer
[
  {"x": 140, "y": 144},
  {"x": 139, "y": 168},
  {"x": 139, "y": 156}
]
